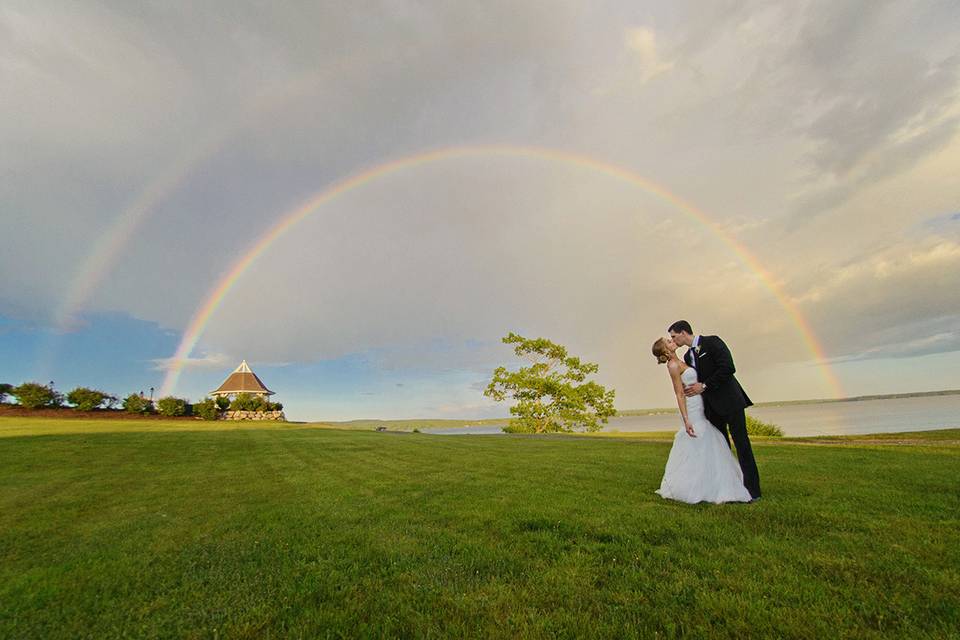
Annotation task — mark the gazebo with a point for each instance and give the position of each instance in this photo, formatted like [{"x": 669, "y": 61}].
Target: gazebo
[{"x": 242, "y": 380}]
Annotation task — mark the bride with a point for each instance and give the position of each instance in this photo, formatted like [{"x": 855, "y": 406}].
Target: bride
[{"x": 701, "y": 467}]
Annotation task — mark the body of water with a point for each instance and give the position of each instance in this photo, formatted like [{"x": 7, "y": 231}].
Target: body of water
[{"x": 827, "y": 418}]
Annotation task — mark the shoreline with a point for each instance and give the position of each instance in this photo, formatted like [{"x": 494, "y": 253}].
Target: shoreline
[{"x": 626, "y": 413}]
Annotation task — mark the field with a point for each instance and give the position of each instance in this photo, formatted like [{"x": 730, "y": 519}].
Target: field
[{"x": 190, "y": 529}]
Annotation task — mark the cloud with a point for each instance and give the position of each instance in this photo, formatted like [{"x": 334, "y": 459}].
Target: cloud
[
  {"x": 939, "y": 223},
  {"x": 944, "y": 342},
  {"x": 206, "y": 361},
  {"x": 876, "y": 304},
  {"x": 642, "y": 41},
  {"x": 867, "y": 109}
]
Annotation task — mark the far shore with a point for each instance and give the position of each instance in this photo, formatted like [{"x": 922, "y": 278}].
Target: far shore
[{"x": 787, "y": 403}]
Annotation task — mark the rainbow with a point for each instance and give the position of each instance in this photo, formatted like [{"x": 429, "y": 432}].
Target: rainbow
[
  {"x": 289, "y": 220},
  {"x": 122, "y": 232}
]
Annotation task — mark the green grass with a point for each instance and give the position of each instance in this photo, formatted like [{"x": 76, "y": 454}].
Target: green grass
[
  {"x": 406, "y": 425},
  {"x": 160, "y": 530},
  {"x": 936, "y": 436}
]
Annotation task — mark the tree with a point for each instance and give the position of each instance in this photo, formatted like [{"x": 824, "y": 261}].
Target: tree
[
  {"x": 135, "y": 403},
  {"x": 552, "y": 394},
  {"x": 34, "y": 395},
  {"x": 87, "y": 399},
  {"x": 223, "y": 403},
  {"x": 5, "y": 390},
  {"x": 206, "y": 409},
  {"x": 248, "y": 402},
  {"x": 171, "y": 406}
]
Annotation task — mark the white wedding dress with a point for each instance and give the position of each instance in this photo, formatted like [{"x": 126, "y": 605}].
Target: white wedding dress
[{"x": 701, "y": 469}]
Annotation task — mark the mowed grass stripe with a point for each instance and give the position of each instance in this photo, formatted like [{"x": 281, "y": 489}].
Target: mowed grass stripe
[{"x": 288, "y": 532}]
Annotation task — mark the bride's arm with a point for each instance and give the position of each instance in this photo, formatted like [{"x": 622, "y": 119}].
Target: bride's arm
[{"x": 674, "y": 368}]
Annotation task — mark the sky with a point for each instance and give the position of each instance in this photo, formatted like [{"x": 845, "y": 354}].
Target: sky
[{"x": 362, "y": 199}]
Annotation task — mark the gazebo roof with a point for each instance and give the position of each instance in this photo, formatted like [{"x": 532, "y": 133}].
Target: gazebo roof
[{"x": 242, "y": 380}]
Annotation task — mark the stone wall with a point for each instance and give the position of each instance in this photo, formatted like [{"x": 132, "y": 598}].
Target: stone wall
[{"x": 253, "y": 415}]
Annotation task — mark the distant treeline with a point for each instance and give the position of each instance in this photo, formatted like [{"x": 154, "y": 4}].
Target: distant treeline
[{"x": 33, "y": 395}]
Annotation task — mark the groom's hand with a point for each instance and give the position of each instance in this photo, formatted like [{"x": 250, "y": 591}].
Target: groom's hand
[{"x": 694, "y": 389}]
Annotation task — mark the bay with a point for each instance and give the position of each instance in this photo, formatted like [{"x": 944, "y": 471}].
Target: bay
[{"x": 799, "y": 420}]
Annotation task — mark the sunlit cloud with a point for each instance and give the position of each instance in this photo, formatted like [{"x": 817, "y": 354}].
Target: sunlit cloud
[{"x": 642, "y": 42}]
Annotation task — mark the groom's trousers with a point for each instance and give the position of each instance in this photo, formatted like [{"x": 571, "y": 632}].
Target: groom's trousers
[{"x": 738, "y": 431}]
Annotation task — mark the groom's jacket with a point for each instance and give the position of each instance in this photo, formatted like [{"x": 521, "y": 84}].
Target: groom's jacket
[{"x": 714, "y": 366}]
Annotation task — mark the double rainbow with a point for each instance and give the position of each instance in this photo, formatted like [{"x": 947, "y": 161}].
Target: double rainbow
[{"x": 202, "y": 315}]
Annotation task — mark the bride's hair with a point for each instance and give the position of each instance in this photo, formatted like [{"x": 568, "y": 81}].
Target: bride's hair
[{"x": 660, "y": 351}]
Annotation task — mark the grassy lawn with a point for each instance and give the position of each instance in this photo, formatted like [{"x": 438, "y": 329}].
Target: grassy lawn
[
  {"x": 406, "y": 425},
  {"x": 197, "y": 530}
]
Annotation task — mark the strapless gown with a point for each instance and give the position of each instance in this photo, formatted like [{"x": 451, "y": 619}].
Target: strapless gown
[{"x": 701, "y": 469}]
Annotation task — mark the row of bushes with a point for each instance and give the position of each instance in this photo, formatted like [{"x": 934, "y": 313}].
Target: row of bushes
[{"x": 33, "y": 395}]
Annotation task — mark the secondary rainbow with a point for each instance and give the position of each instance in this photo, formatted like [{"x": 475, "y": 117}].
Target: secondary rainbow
[
  {"x": 122, "y": 232},
  {"x": 203, "y": 314}
]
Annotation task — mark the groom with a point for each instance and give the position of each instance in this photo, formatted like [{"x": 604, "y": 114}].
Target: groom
[{"x": 723, "y": 398}]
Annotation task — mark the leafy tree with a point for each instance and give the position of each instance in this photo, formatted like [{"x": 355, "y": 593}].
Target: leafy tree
[
  {"x": 171, "y": 406},
  {"x": 552, "y": 394},
  {"x": 87, "y": 399},
  {"x": 34, "y": 395},
  {"x": 135, "y": 403},
  {"x": 223, "y": 403},
  {"x": 207, "y": 409},
  {"x": 5, "y": 390},
  {"x": 248, "y": 402}
]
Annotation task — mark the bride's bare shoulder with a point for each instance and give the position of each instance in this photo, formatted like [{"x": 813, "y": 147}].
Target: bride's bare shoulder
[{"x": 674, "y": 366}]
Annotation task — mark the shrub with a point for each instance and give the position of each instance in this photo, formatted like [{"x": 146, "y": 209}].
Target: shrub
[
  {"x": 516, "y": 426},
  {"x": 207, "y": 409},
  {"x": 248, "y": 402},
  {"x": 85, "y": 399},
  {"x": 170, "y": 406},
  {"x": 274, "y": 406},
  {"x": 34, "y": 395},
  {"x": 223, "y": 403},
  {"x": 135, "y": 403},
  {"x": 5, "y": 390},
  {"x": 760, "y": 428}
]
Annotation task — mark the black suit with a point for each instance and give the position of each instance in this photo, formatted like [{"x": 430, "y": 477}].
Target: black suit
[{"x": 724, "y": 402}]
